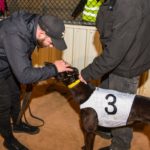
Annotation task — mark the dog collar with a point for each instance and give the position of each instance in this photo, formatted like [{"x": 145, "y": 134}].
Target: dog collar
[{"x": 73, "y": 84}]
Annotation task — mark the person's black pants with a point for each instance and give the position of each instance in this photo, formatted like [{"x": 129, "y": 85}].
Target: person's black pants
[
  {"x": 9, "y": 104},
  {"x": 121, "y": 137}
]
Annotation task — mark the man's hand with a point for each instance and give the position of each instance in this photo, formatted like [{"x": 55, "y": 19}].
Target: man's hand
[
  {"x": 62, "y": 66},
  {"x": 81, "y": 79}
]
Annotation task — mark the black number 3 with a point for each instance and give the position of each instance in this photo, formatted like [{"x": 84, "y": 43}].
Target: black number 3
[{"x": 111, "y": 104}]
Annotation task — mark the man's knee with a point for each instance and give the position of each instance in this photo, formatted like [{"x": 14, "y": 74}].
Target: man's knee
[{"x": 122, "y": 138}]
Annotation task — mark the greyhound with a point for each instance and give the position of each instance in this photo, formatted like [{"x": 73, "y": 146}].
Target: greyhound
[{"x": 106, "y": 102}]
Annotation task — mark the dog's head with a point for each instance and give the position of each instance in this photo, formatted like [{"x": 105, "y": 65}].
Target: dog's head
[
  {"x": 68, "y": 77},
  {"x": 80, "y": 91}
]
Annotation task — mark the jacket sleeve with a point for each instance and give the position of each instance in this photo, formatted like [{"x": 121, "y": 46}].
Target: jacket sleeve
[
  {"x": 17, "y": 54},
  {"x": 127, "y": 16}
]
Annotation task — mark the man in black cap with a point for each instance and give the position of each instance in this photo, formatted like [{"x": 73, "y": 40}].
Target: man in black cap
[{"x": 19, "y": 35}]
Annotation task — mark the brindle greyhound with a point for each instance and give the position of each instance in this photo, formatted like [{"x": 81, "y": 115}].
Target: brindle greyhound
[{"x": 139, "y": 110}]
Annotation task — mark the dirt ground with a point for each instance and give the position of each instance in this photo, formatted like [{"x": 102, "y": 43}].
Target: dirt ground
[{"x": 62, "y": 130}]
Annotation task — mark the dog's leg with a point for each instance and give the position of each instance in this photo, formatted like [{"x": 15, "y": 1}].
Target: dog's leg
[
  {"x": 89, "y": 140},
  {"x": 89, "y": 123}
]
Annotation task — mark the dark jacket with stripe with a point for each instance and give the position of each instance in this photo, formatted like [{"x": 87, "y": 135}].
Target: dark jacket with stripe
[
  {"x": 124, "y": 27},
  {"x": 17, "y": 42}
]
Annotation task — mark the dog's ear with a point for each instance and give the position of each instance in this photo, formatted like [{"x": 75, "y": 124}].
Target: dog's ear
[
  {"x": 75, "y": 72},
  {"x": 73, "y": 75}
]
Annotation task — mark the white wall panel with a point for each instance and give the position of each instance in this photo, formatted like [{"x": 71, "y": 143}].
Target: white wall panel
[
  {"x": 79, "y": 46},
  {"x": 83, "y": 45},
  {"x": 92, "y": 46},
  {"x": 68, "y": 53}
]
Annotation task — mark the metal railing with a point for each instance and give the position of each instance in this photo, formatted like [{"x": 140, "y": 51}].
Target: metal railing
[{"x": 61, "y": 8}]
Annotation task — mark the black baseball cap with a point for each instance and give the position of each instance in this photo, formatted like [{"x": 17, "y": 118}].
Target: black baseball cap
[{"x": 54, "y": 28}]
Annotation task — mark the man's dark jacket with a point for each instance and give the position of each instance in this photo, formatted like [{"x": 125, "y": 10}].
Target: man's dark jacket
[
  {"x": 124, "y": 27},
  {"x": 17, "y": 42}
]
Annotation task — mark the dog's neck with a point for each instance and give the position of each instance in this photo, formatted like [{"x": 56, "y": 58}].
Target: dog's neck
[
  {"x": 73, "y": 84},
  {"x": 80, "y": 91}
]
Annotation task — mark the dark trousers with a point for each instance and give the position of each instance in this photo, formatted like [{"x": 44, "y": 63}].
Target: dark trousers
[
  {"x": 9, "y": 104},
  {"x": 121, "y": 137}
]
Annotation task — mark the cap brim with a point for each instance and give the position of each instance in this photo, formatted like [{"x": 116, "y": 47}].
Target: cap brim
[{"x": 59, "y": 43}]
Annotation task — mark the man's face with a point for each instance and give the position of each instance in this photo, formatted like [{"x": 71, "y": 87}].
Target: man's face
[{"x": 43, "y": 40}]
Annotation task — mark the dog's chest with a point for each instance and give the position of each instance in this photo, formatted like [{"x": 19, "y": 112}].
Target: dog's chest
[{"x": 112, "y": 107}]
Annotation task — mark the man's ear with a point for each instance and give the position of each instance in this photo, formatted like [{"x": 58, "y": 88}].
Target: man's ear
[{"x": 39, "y": 32}]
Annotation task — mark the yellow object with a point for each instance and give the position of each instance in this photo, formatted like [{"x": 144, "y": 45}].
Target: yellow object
[
  {"x": 91, "y": 9},
  {"x": 73, "y": 84}
]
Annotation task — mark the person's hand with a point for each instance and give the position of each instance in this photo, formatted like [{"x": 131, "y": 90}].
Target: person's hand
[
  {"x": 81, "y": 79},
  {"x": 62, "y": 66}
]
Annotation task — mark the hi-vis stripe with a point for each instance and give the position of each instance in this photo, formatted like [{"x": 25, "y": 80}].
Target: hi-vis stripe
[
  {"x": 89, "y": 14},
  {"x": 91, "y": 8}
]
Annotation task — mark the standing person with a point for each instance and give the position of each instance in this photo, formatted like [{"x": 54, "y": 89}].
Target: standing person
[
  {"x": 89, "y": 9},
  {"x": 125, "y": 36},
  {"x": 19, "y": 35},
  {"x": 3, "y": 8}
]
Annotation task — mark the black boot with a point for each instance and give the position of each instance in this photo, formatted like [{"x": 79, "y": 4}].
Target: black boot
[
  {"x": 26, "y": 128},
  {"x": 13, "y": 144}
]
